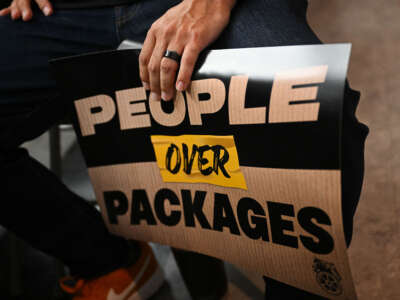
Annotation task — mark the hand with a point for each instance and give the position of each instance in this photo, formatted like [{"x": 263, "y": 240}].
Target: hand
[
  {"x": 187, "y": 29},
  {"x": 22, "y": 8}
]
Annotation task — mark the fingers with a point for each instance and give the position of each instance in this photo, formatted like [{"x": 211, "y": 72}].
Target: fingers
[
  {"x": 45, "y": 7},
  {"x": 154, "y": 70},
  {"x": 25, "y": 9},
  {"x": 6, "y": 11},
  {"x": 144, "y": 59},
  {"x": 161, "y": 72},
  {"x": 15, "y": 11},
  {"x": 168, "y": 69},
  {"x": 22, "y": 9},
  {"x": 167, "y": 77},
  {"x": 188, "y": 61}
]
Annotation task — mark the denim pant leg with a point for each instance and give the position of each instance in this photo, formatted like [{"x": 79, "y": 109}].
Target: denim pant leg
[{"x": 34, "y": 203}]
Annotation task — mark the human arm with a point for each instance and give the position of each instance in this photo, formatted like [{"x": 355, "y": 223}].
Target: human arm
[{"x": 187, "y": 29}]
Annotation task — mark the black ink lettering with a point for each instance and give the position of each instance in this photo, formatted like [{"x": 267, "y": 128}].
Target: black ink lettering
[
  {"x": 325, "y": 242},
  {"x": 203, "y": 161},
  {"x": 171, "y": 149},
  {"x": 194, "y": 208},
  {"x": 260, "y": 230},
  {"x": 223, "y": 214},
  {"x": 219, "y": 162},
  {"x": 141, "y": 209},
  {"x": 111, "y": 198},
  {"x": 188, "y": 163},
  {"x": 278, "y": 225},
  {"x": 159, "y": 206}
]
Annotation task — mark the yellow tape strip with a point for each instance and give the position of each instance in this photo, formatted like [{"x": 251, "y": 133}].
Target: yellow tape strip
[{"x": 199, "y": 158}]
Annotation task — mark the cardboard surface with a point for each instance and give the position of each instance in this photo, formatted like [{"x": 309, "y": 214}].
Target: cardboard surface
[{"x": 244, "y": 166}]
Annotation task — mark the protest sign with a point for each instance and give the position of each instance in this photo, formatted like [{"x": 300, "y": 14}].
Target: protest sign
[{"x": 243, "y": 166}]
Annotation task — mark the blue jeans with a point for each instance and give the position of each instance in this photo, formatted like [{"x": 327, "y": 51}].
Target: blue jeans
[{"x": 35, "y": 204}]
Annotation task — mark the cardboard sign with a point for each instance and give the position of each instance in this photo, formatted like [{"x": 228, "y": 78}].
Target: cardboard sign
[{"x": 243, "y": 166}]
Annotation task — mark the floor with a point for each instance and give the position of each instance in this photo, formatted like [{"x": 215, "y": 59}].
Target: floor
[{"x": 373, "y": 27}]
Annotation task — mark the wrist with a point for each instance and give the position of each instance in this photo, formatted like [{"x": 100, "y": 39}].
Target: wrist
[{"x": 228, "y": 4}]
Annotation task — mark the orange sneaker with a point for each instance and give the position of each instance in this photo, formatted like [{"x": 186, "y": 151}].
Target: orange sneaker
[{"x": 140, "y": 281}]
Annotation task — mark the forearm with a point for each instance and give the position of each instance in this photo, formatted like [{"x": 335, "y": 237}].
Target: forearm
[{"x": 216, "y": 5}]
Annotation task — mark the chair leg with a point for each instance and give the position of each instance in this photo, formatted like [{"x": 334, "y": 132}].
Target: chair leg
[
  {"x": 56, "y": 168},
  {"x": 55, "y": 150}
]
